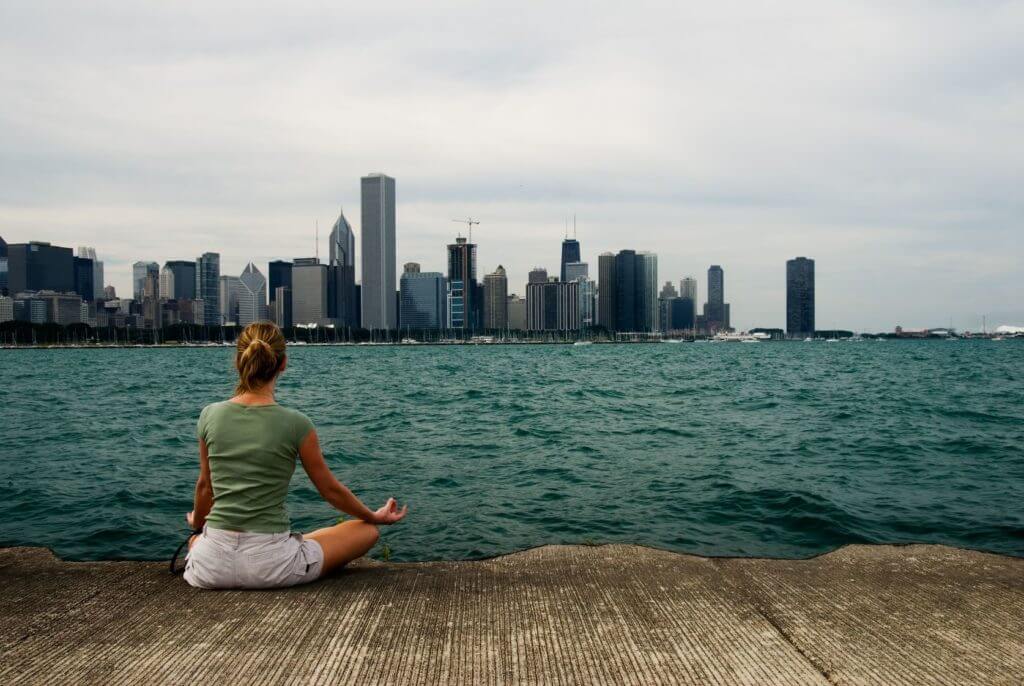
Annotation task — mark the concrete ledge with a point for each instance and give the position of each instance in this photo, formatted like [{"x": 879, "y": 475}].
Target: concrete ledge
[{"x": 556, "y": 614}]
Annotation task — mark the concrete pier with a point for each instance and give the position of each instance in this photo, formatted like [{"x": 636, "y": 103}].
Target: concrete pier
[{"x": 552, "y": 615}]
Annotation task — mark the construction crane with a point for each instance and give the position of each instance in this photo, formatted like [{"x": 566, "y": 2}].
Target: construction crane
[{"x": 468, "y": 221}]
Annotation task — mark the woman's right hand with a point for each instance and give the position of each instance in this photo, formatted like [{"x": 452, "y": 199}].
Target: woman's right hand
[{"x": 389, "y": 513}]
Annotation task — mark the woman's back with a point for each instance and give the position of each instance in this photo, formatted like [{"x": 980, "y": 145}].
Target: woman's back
[{"x": 253, "y": 450}]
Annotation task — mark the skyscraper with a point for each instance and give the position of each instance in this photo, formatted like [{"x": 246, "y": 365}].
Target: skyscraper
[
  {"x": 538, "y": 275},
  {"x": 462, "y": 270},
  {"x": 140, "y": 272},
  {"x": 252, "y": 296},
  {"x": 496, "y": 300},
  {"x": 647, "y": 291},
  {"x": 39, "y": 266},
  {"x": 716, "y": 310},
  {"x": 800, "y": 297},
  {"x": 184, "y": 273},
  {"x": 167, "y": 283},
  {"x": 343, "y": 273},
  {"x": 516, "y": 313},
  {"x": 424, "y": 297},
  {"x": 681, "y": 318},
  {"x": 378, "y": 255},
  {"x": 309, "y": 291},
  {"x": 4, "y": 272},
  {"x": 229, "y": 293},
  {"x": 625, "y": 291},
  {"x": 553, "y": 306},
  {"x": 574, "y": 270},
  {"x": 279, "y": 275},
  {"x": 208, "y": 286},
  {"x": 570, "y": 253},
  {"x": 84, "y": 273},
  {"x": 97, "y": 270},
  {"x": 606, "y": 282}
]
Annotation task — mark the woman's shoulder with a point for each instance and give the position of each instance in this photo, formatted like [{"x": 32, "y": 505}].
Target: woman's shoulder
[{"x": 295, "y": 415}]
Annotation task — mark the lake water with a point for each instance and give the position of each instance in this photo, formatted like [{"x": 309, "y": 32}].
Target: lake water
[{"x": 772, "y": 449}]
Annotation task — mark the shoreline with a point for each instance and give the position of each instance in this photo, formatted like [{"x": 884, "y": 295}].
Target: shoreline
[{"x": 555, "y": 614}]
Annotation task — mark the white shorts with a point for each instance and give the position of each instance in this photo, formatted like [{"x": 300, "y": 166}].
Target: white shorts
[{"x": 239, "y": 559}]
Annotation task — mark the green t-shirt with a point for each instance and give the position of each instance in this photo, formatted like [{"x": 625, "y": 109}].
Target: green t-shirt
[{"x": 252, "y": 452}]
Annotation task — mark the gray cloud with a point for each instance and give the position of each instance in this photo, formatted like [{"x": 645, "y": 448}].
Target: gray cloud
[{"x": 886, "y": 140}]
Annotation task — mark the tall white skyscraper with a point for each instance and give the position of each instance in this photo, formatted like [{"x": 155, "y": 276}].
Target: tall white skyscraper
[
  {"x": 379, "y": 261},
  {"x": 228, "y": 293},
  {"x": 252, "y": 296},
  {"x": 166, "y": 283},
  {"x": 309, "y": 291}
]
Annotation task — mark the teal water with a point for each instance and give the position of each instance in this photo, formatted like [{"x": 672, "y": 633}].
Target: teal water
[{"x": 783, "y": 450}]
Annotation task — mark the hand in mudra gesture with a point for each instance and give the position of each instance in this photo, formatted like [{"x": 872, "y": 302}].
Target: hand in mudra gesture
[{"x": 389, "y": 512}]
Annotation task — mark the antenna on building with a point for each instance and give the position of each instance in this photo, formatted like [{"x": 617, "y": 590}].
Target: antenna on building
[
  {"x": 316, "y": 239},
  {"x": 574, "y": 226},
  {"x": 468, "y": 221}
]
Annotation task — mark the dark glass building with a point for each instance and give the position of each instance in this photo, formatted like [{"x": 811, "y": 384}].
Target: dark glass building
[
  {"x": 606, "y": 291},
  {"x": 184, "y": 278},
  {"x": 570, "y": 253},
  {"x": 625, "y": 291},
  {"x": 424, "y": 298},
  {"x": 208, "y": 286},
  {"x": 3, "y": 267},
  {"x": 462, "y": 268},
  {"x": 716, "y": 310},
  {"x": 84, "y": 278},
  {"x": 800, "y": 297},
  {"x": 39, "y": 266}
]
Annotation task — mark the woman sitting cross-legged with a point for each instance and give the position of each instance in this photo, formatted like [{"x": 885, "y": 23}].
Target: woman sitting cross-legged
[{"x": 247, "y": 451}]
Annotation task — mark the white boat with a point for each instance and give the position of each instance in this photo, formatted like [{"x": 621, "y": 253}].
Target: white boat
[
  {"x": 583, "y": 343},
  {"x": 831, "y": 340},
  {"x": 671, "y": 340},
  {"x": 738, "y": 338}
]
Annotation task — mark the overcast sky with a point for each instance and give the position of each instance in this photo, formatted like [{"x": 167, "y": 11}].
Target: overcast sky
[{"x": 883, "y": 139}]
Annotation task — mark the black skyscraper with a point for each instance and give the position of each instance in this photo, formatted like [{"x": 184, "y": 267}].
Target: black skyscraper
[
  {"x": 716, "y": 310},
  {"x": 570, "y": 253},
  {"x": 184, "y": 273},
  {"x": 800, "y": 297},
  {"x": 462, "y": 267},
  {"x": 279, "y": 274},
  {"x": 84, "y": 278},
  {"x": 38, "y": 266},
  {"x": 625, "y": 291}
]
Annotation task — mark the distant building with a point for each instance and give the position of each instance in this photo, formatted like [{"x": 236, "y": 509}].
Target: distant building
[
  {"x": 97, "y": 270},
  {"x": 574, "y": 270},
  {"x": 141, "y": 270},
  {"x": 167, "y": 283},
  {"x": 228, "y": 294},
  {"x": 309, "y": 292},
  {"x": 378, "y": 254},
  {"x": 184, "y": 274},
  {"x": 411, "y": 268},
  {"x": 588, "y": 301},
  {"x": 279, "y": 275},
  {"x": 496, "y": 300},
  {"x": 39, "y": 266},
  {"x": 668, "y": 291},
  {"x": 3, "y": 267},
  {"x": 516, "y": 313},
  {"x": 424, "y": 299},
  {"x": 462, "y": 270},
  {"x": 281, "y": 307},
  {"x": 84, "y": 274},
  {"x": 6, "y": 308},
  {"x": 800, "y": 298},
  {"x": 647, "y": 292},
  {"x": 570, "y": 254},
  {"x": 342, "y": 289},
  {"x": 252, "y": 296},
  {"x": 208, "y": 286},
  {"x": 606, "y": 283},
  {"x": 538, "y": 275},
  {"x": 553, "y": 306},
  {"x": 109, "y": 293},
  {"x": 456, "y": 304},
  {"x": 716, "y": 310},
  {"x": 46, "y": 306}
]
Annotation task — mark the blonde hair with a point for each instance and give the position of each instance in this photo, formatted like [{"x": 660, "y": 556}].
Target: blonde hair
[{"x": 260, "y": 355}]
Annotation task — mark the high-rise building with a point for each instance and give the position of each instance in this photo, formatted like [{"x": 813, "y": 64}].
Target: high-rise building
[
  {"x": 84, "y": 274},
  {"x": 516, "y": 313},
  {"x": 424, "y": 297},
  {"x": 6, "y": 307},
  {"x": 281, "y": 307},
  {"x": 462, "y": 269},
  {"x": 140, "y": 271},
  {"x": 800, "y": 297},
  {"x": 342, "y": 292},
  {"x": 716, "y": 310},
  {"x": 109, "y": 293},
  {"x": 553, "y": 306},
  {"x": 184, "y": 274},
  {"x": 167, "y": 283},
  {"x": 668, "y": 291},
  {"x": 574, "y": 270},
  {"x": 3, "y": 269},
  {"x": 378, "y": 255},
  {"x": 606, "y": 283},
  {"x": 39, "y": 266},
  {"x": 456, "y": 304},
  {"x": 97, "y": 270},
  {"x": 309, "y": 291},
  {"x": 411, "y": 268},
  {"x": 588, "y": 301},
  {"x": 252, "y": 296},
  {"x": 496, "y": 300},
  {"x": 626, "y": 291},
  {"x": 208, "y": 286},
  {"x": 279, "y": 275},
  {"x": 229, "y": 293},
  {"x": 647, "y": 291},
  {"x": 538, "y": 275},
  {"x": 688, "y": 288},
  {"x": 570, "y": 253}
]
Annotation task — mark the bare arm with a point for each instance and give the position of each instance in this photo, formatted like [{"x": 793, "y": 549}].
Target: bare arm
[
  {"x": 204, "y": 490},
  {"x": 335, "y": 492}
]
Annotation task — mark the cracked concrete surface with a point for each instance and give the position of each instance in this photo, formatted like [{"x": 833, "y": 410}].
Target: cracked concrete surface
[{"x": 553, "y": 615}]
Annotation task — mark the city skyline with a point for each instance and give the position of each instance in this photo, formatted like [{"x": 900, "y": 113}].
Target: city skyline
[{"x": 754, "y": 138}]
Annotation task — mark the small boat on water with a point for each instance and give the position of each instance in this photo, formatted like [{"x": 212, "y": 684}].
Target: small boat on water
[{"x": 583, "y": 343}]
